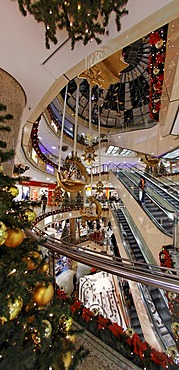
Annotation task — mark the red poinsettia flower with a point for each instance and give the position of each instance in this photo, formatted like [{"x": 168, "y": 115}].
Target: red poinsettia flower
[
  {"x": 87, "y": 314},
  {"x": 138, "y": 346},
  {"x": 159, "y": 58},
  {"x": 160, "y": 358},
  {"x": 154, "y": 37},
  {"x": 157, "y": 106},
  {"x": 116, "y": 329},
  {"x": 102, "y": 322},
  {"x": 61, "y": 294},
  {"x": 75, "y": 306}
]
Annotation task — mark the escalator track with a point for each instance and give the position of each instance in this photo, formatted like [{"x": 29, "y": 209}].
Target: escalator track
[
  {"x": 166, "y": 192},
  {"x": 162, "y": 219},
  {"x": 155, "y": 298}
]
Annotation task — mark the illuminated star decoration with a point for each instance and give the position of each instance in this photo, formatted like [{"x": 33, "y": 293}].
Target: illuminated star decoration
[
  {"x": 99, "y": 187},
  {"x": 93, "y": 76},
  {"x": 89, "y": 155}
]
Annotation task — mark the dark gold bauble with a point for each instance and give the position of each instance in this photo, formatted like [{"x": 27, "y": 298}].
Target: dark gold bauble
[
  {"x": 3, "y": 233},
  {"x": 130, "y": 332},
  {"x": 175, "y": 329},
  {"x": 43, "y": 294},
  {"x": 28, "y": 215},
  {"x": 12, "y": 190},
  {"x": 44, "y": 268},
  {"x": 14, "y": 238},
  {"x": 32, "y": 263},
  {"x": 65, "y": 323},
  {"x": 47, "y": 328},
  {"x": 14, "y": 306}
]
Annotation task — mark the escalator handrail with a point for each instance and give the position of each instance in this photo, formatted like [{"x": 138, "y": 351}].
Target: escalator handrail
[{"x": 104, "y": 264}]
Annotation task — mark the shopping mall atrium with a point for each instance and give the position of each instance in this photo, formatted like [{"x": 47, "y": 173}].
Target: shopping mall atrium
[{"x": 95, "y": 130}]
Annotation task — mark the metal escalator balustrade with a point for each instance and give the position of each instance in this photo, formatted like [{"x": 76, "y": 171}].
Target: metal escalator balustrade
[
  {"x": 167, "y": 192},
  {"x": 153, "y": 298},
  {"x": 162, "y": 219},
  {"x": 135, "y": 271}
]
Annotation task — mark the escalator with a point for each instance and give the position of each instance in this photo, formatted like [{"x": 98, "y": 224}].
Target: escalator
[
  {"x": 154, "y": 298},
  {"x": 161, "y": 217},
  {"x": 168, "y": 193}
]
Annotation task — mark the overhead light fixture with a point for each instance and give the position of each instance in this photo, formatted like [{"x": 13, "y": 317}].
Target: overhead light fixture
[{"x": 53, "y": 147}]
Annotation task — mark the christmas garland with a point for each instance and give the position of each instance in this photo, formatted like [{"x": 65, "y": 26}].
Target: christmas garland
[
  {"x": 127, "y": 343},
  {"x": 83, "y": 20},
  {"x": 157, "y": 41},
  {"x": 173, "y": 298}
]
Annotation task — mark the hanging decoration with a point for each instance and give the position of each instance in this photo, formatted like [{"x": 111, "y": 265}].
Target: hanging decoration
[
  {"x": 83, "y": 20},
  {"x": 89, "y": 155},
  {"x": 106, "y": 72},
  {"x": 99, "y": 187},
  {"x": 74, "y": 177},
  {"x": 149, "y": 159},
  {"x": 92, "y": 212},
  {"x": 157, "y": 41}
]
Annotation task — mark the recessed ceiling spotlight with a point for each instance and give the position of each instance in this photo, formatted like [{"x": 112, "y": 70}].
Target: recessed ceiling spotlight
[
  {"x": 48, "y": 178},
  {"x": 53, "y": 147},
  {"x": 119, "y": 137},
  {"x": 171, "y": 147}
]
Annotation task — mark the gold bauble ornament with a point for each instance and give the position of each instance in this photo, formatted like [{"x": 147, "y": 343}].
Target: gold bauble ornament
[
  {"x": 47, "y": 328},
  {"x": 159, "y": 44},
  {"x": 12, "y": 190},
  {"x": 43, "y": 294},
  {"x": 45, "y": 268},
  {"x": 130, "y": 332},
  {"x": 175, "y": 329},
  {"x": 28, "y": 215},
  {"x": 31, "y": 263},
  {"x": 15, "y": 306},
  {"x": 172, "y": 352},
  {"x": 65, "y": 323},
  {"x": 14, "y": 238},
  {"x": 3, "y": 233}
]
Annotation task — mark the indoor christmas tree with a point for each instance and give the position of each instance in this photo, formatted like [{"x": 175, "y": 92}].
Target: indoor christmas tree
[
  {"x": 79, "y": 200},
  {"x": 35, "y": 325}
]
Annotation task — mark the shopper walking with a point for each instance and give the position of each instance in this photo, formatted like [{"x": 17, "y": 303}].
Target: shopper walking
[
  {"x": 142, "y": 189},
  {"x": 44, "y": 202}
]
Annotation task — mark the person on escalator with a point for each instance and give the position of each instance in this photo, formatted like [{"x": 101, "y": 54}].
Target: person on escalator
[{"x": 142, "y": 189}]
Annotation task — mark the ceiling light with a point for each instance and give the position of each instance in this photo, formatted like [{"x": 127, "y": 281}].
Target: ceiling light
[
  {"x": 48, "y": 178},
  {"x": 53, "y": 147}
]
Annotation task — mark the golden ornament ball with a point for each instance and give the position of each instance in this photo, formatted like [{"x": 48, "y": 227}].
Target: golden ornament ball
[
  {"x": 43, "y": 294},
  {"x": 14, "y": 238},
  {"x": 14, "y": 306},
  {"x": 32, "y": 263},
  {"x": 12, "y": 190},
  {"x": 65, "y": 323},
  {"x": 44, "y": 268},
  {"x": 47, "y": 328},
  {"x": 28, "y": 215},
  {"x": 3, "y": 233},
  {"x": 130, "y": 332}
]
